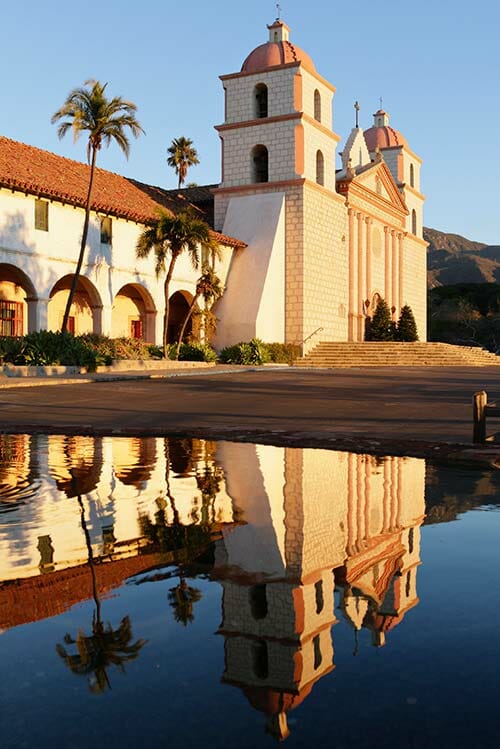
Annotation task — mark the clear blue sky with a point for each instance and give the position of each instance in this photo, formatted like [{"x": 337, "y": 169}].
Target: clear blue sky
[{"x": 434, "y": 62}]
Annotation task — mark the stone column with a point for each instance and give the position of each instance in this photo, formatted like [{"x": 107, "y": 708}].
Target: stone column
[
  {"x": 395, "y": 273},
  {"x": 368, "y": 293},
  {"x": 387, "y": 265},
  {"x": 401, "y": 269},
  {"x": 352, "y": 279},
  {"x": 360, "y": 279},
  {"x": 38, "y": 314},
  {"x": 102, "y": 319}
]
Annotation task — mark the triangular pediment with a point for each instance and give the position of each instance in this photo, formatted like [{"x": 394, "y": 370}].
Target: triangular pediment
[{"x": 376, "y": 179}]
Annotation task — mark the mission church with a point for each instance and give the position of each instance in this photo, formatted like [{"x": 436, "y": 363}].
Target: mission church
[{"x": 308, "y": 248}]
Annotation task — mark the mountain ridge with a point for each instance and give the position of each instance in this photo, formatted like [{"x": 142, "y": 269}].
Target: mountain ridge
[{"x": 454, "y": 259}]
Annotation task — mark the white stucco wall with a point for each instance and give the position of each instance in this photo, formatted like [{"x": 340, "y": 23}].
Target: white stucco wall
[
  {"x": 47, "y": 256},
  {"x": 254, "y": 302}
]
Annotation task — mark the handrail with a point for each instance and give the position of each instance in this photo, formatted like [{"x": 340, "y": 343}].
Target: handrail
[{"x": 310, "y": 336}]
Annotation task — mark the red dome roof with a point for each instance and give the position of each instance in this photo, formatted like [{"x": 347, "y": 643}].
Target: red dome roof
[
  {"x": 383, "y": 137},
  {"x": 275, "y": 53}
]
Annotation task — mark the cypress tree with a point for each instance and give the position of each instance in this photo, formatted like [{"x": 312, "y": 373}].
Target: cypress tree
[
  {"x": 381, "y": 328},
  {"x": 407, "y": 327}
]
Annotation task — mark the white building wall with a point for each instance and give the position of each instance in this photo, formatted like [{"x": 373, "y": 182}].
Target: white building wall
[
  {"x": 254, "y": 302},
  {"x": 47, "y": 256}
]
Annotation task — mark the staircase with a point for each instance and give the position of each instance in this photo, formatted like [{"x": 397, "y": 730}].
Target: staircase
[{"x": 379, "y": 354}]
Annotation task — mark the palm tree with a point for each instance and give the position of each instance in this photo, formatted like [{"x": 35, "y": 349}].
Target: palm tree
[
  {"x": 169, "y": 236},
  {"x": 182, "y": 156},
  {"x": 88, "y": 109},
  {"x": 208, "y": 286}
]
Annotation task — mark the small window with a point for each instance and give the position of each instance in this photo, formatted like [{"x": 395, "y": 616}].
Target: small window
[
  {"x": 317, "y": 105},
  {"x": 41, "y": 215},
  {"x": 11, "y": 318},
  {"x": 320, "y": 168},
  {"x": 71, "y": 324},
  {"x": 318, "y": 590},
  {"x": 317, "y": 652},
  {"x": 408, "y": 584},
  {"x": 260, "y": 164},
  {"x": 412, "y": 176},
  {"x": 106, "y": 227},
  {"x": 414, "y": 222},
  {"x": 260, "y": 100},
  {"x": 411, "y": 540}
]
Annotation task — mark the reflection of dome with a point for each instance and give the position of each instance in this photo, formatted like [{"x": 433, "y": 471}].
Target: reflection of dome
[
  {"x": 383, "y": 136},
  {"x": 275, "y": 53},
  {"x": 270, "y": 701}
]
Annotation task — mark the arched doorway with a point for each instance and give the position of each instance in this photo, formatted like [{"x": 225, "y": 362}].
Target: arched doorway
[
  {"x": 178, "y": 308},
  {"x": 17, "y": 302},
  {"x": 86, "y": 311},
  {"x": 133, "y": 314}
]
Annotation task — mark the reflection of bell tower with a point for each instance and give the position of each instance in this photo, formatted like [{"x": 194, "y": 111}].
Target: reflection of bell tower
[{"x": 276, "y": 573}]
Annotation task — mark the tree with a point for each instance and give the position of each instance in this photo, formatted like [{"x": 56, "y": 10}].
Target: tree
[
  {"x": 407, "y": 327},
  {"x": 209, "y": 287},
  {"x": 88, "y": 109},
  {"x": 168, "y": 237},
  {"x": 381, "y": 328},
  {"x": 182, "y": 156}
]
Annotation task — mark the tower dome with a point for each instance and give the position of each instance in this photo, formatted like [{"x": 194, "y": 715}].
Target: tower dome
[
  {"x": 277, "y": 51},
  {"x": 381, "y": 135}
]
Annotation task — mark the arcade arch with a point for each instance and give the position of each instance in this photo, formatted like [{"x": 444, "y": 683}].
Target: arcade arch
[
  {"x": 18, "y": 301},
  {"x": 178, "y": 308},
  {"x": 133, "y": 314},
  {"x": 86, "y": 310}
]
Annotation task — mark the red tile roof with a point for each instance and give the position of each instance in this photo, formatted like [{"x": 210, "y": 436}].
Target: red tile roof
[{"x": 45, "y": 174}]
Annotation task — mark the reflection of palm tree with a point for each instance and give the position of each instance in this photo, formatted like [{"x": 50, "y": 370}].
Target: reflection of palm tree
[
  {"x": 106, "y": 646},
  {"x": 208, "y": 481},
  {"x": 181, "y": 599}
]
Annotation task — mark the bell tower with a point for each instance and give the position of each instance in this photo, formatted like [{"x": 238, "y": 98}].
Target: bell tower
[{"x": 278, "y": 194}]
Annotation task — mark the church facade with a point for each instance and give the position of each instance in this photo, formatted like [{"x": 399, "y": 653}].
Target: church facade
[
  {"x": 308, "y": 249},
  {"x": 323, "y": 244}
]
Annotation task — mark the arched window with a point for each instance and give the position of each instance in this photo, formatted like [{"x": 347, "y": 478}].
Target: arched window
[
  {"x": 320, "y": 168},
  {"x": 260, "y": 94},
  {"x": 414, "y": 222},
  {"x": 260, "y": 165},
  {"x": 412, "y": 176},
  {"x": 260, "y": 659},
  {"x": 258, "y": 601},
  {"x": 317, "y": 105}
]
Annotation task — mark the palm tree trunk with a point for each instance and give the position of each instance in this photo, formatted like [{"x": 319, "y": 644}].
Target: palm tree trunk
[
  {"x": 166, "y": 287},
  {"x": 184, "y": 324},
  {"x": 76, "y": 275}
]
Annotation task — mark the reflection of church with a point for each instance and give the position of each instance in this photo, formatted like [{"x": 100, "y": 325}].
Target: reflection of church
[{"x": 317, "y": 522}]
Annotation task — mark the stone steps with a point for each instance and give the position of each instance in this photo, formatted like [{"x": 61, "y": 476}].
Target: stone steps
[{"x": 396, "y": 354}]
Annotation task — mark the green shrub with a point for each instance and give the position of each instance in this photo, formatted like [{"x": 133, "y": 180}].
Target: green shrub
[
  {"x": 45, "y": 348},
  {"x": 252, "y": 352},
  {"x": 193, "y": 352},
  {"x": 283, "y": 353}
]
